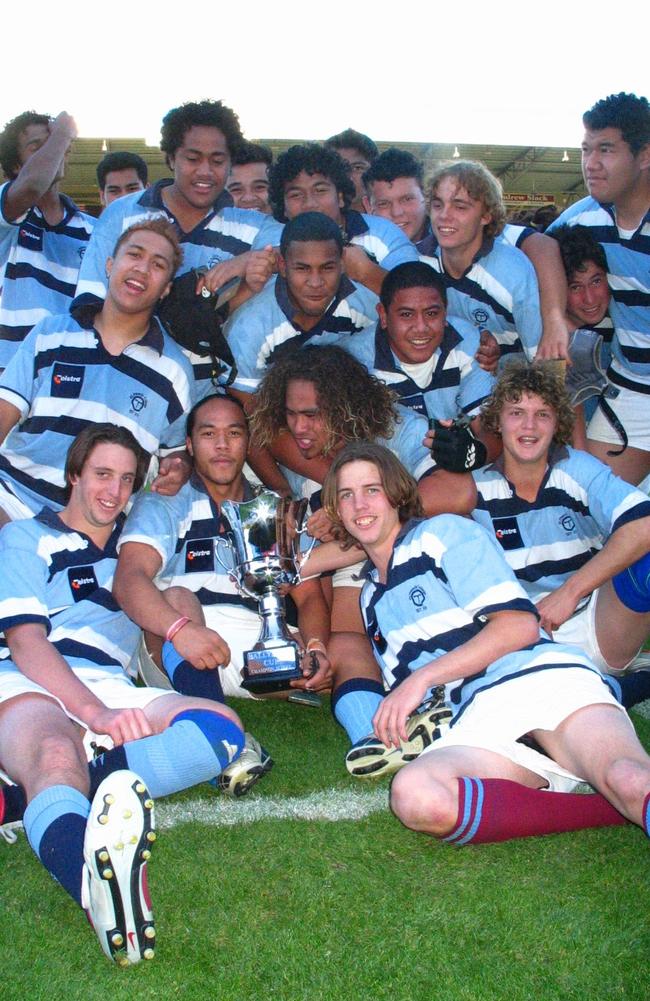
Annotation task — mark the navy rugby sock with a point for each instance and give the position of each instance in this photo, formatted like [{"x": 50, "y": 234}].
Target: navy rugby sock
[
  {"x": 55, "y": 825},
  {"x": 189, "y": 680}
]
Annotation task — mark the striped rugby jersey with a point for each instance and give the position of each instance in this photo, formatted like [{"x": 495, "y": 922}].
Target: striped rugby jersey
[
  {"x": 57, "y": 576},
  {"x": 260, "y": 329},
  {"x": 40, "y": 265},
  {"x": 457, "y": 384},
  {"x": 628, "y": 267},
  {"x": 498, "y": 292},
  {"x": 579, "y": 504},
  {"x": 445, "y": 576},
  {"x": 184, "y": 530},
  {"x": 62, "y": 379}
]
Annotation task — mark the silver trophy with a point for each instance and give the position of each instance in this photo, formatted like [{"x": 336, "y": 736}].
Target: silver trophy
[{"x": 264, "y": 535}]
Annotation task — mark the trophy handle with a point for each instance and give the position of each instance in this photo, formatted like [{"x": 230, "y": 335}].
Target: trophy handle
[
  {"x": 220, "y": 541},
  {"x": 301, "y": 558}
]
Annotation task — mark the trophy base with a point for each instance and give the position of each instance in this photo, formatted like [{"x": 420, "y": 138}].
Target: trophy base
[{"x": 270, "y": 669}]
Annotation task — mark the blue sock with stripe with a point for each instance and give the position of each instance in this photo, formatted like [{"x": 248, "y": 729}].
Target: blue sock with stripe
[
  {"x": 496, "y": 810},
  {"x": 645, "y": 816},
  {"x": 55, "y": 825},
  {"x": 189, "y": 680},
  {"x": 354, "y": 703},
  {"x": 196, "y": 747}
]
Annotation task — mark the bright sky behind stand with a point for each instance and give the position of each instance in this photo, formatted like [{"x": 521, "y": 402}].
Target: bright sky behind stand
[{"x": 511, "y": 73}]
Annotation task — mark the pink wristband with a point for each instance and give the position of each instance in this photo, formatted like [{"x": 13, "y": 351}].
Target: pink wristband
[{"x": 176, "y": 627}]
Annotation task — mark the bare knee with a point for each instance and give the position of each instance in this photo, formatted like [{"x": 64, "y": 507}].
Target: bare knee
[
  {"x": 627, "y": 780},
  {"x": 422, "y": 803},
  {"x": 58, "y": 759}
]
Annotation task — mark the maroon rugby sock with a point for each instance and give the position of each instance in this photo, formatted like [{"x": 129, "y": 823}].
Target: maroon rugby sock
[{"x": 497, "y": 810}]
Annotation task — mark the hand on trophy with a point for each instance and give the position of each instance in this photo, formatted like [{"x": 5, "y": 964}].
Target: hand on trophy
[
  {"x": 317, "y": 672},
  {"x": 319, "y": 526},
  {"x": 203, "y": 647}
]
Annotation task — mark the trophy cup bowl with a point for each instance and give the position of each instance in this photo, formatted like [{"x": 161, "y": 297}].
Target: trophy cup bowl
[{"x": 264, "y": 536}]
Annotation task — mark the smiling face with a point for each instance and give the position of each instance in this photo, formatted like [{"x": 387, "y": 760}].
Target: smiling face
[
  {"x": 457, "y": 219},
  {"x": 249, "y": 186},
  {"x": 414, "y": 323},
  {"x": 312, "y": 193},
  {"x": 140, "y": 273},
  {"x": 400, "y": 201},
  {"x": 363, "y": 507},
  {"x": 219, "y": 442},
  {"x": 611, "y": 171},
  {"x": 527, "y": 428},
  {"x": 101, "y": 491},
  {"x": 201, "y": 166},
  {"x": 588, "y": 295}
]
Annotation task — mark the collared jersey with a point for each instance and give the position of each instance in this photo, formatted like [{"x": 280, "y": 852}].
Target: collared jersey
[
  {"x": 40, "y": 265},
  {"x": 444, "y": 577},
  {"x": 62, "y": 378},
  {"x": 187, "y": 532},
  {"x": 223, "y": 233},
  {"x": 628, "y": 267},
  {"x": 498, "y": 293},
  {"x": 456, "y": 385},
  {"x": 579, "y": 504},
  {"x": 58, "y": 577},
  {"x": 263, "y": 328}
]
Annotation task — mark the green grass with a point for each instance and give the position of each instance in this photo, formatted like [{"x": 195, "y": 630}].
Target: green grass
[{"x": 295, "y": 909}]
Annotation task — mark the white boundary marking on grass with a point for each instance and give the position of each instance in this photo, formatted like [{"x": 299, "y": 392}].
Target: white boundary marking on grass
[{"x": 329, "y": 804}]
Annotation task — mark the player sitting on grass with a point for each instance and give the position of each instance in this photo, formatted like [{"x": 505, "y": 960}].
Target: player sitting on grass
[
  {"x": 170, "y": 579},
  {"x": 441, "y": 607},
  {"x": 63, "y": 678},
  {"x": 576, "y": 536}
]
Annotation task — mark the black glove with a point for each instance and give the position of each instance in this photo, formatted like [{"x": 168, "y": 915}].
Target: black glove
[{"x": 456, "y": 449}]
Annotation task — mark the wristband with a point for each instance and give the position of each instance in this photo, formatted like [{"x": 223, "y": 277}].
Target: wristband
[
  {"x": 176, "y": 627},
  {"x": 317, "y": 645}
]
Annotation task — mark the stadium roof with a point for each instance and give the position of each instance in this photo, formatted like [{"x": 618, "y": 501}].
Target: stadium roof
[{"x": 530, "y": 171}]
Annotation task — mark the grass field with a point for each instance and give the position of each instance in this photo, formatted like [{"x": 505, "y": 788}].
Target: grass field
[{"x": 265, "y": 898}]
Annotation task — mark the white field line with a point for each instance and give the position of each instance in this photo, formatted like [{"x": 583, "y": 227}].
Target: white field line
[{"x": 328, "y": 804}]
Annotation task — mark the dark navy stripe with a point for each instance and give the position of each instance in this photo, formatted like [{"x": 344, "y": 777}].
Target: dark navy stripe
[
  {"x": 8, "y": 333},
  {"x": 45, "y": 279},
  {"x": 550, "y": 568},
  {"x": 70, "y": 647}
]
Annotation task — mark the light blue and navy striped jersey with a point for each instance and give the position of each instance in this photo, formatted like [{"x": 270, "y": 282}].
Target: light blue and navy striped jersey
[
  {"x": 260, "y": 329},
  {"x": 62, "y": 378},
  {"x": 223, "y": 233},
  {"x": 58, "y": 577},
  {"x": 456, "y": 386},
  {"x": 184, "y": 530},
  {"x": 40, "y": 265},
  {"x": 445, "y": 576},
  {"x": 628, "y": 274},
  {"x": 498, "y": 292},
  {"x": 381, "y": 239},
  {"x": 578, "y": 506}
]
